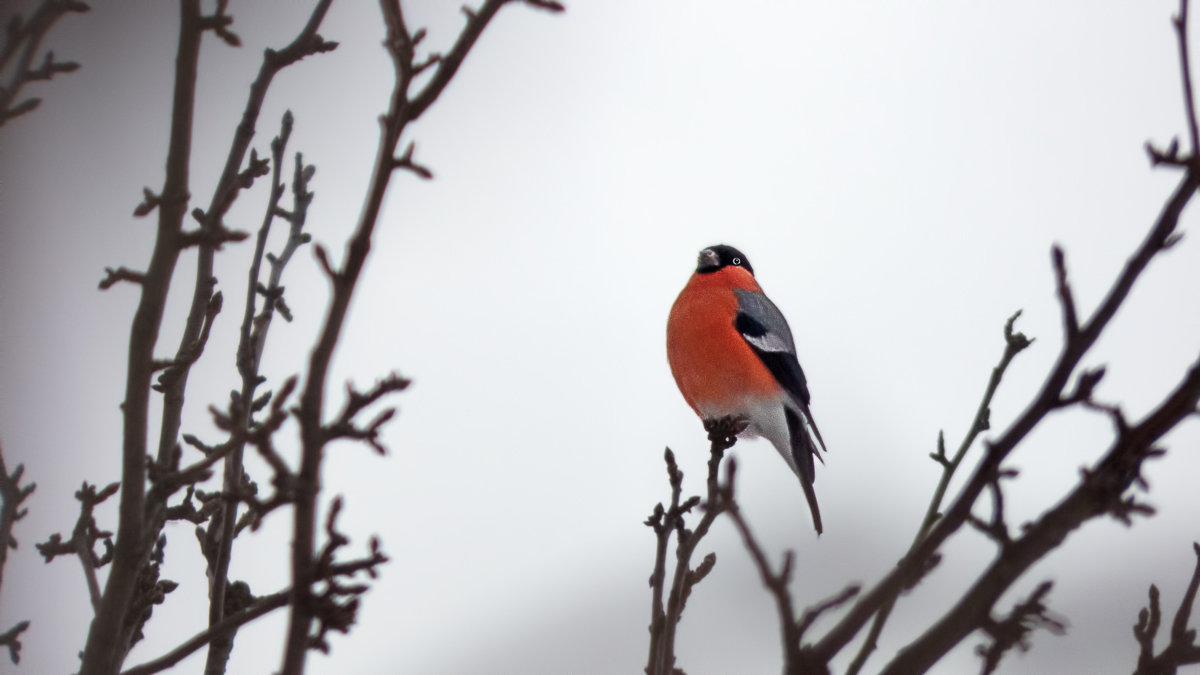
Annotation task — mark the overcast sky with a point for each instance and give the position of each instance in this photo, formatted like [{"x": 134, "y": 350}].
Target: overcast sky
[{"x": 896, "y": 172}]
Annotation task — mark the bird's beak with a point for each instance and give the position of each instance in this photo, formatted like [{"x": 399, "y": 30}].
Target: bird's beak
[{"x": 708, "y": 260}]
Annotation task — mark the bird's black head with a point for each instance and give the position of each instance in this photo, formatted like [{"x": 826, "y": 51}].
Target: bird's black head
[{"x": 718, "y": 257}]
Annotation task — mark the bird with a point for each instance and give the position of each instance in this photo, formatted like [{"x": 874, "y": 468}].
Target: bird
[{"x": 732, "y": 354}]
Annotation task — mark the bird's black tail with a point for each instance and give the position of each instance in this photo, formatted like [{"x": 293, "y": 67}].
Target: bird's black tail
[{"x": 803, "y": 451}]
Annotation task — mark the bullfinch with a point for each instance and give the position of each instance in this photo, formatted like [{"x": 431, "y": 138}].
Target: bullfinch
[{"x": 731, "y": 353}]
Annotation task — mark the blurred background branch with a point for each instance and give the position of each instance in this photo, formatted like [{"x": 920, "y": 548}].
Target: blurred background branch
[
  {"x": 12, "y": 495},
  {"x": 1181, "y": 649},
  {"x": 22, "y": 40}
]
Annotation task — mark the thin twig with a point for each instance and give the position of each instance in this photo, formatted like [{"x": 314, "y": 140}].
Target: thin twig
[
  {"x": 84, "y": 537},
  {"x": 110, "y": 635},
  {"x": 722, "y": 435},
  {"x": 107, "y": 641},
  {"x": 1182, "y": 649},
  {"x": 1014, "y": 343},
  {"x": 223, "y": 528},
  {"x": 1047, "y": 400},
  {"x": 776, "y": 583},
  {"x": 23, "y": 39},
  {"x": 1101, "y": 491},
  {"x": 12, "y": 495},
  {"x": 1185, "y": 72},
  {"x": 401, "y": 110},
  {"x": 11, "y": 638},
  {"x": 811, "y": 614},
  {"x": 261, "y": 607},
  {"x": 662, "y": 521}
]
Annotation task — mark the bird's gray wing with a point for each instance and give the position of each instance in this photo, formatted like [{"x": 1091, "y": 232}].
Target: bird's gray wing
[{"x": 763, "y": 327}]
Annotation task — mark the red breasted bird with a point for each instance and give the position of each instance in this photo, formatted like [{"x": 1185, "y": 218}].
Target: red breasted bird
[{"x": 732, "y": 354}]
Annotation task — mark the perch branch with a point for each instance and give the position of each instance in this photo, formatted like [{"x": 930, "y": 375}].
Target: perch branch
[{"x": 722, "y": 434}]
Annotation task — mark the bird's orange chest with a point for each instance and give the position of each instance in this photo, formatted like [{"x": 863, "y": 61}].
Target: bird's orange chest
[{"x": 715, "y": 369}]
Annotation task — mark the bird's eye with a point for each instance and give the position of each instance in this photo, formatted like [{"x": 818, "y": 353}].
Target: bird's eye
[{"x": 737, "y": 261}]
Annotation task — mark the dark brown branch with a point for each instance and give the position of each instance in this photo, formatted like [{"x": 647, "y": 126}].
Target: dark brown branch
[
  {"x": 1014, "y": 343},
  {"x": 12, "y": 495},
  {"x": 401, "y": 110},
  {"x": 108, "y": 641},
  {"x": 261, "y": 607},
  {"x": 1101, "y": 491},
  {"x": 223, "y": 529},
  {"x": 1182, "y": 649},
  {"x": 111, "y": 634},
  {"x": 84, "y": 537},
  {"x": 20, "y": 47},
  {"x": 111, "y": 277},
  {"x": 1168, "y": 157},
  {"x": 1047, "y": 400},
  {"x": 1065, "y": 297},
  {"x": 219, "y": 23},
  {"x": 11, "y": 638},
  {"x": 344, "y": 426},
  {"x": 1179, "y": 627},
  {"x": 261, "y": 436},
  {"x": 406, "y": 162},
  {"x": 177, "y": 368},
  {"x": 1014, "y": 630},
  {"x": 1185, "y": 73},
  {"x": 233, "y": 179},
  {"x": 996, "y": 528},
  {"x": 811, "y": 614},
  {"x": 776, "y": 584},
  {"x": 336, "y": 607},
  {"x": 722, "y": 434},
  {"x": 662, "y": 521}
]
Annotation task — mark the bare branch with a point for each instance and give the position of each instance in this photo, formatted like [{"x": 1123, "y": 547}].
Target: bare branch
[
  {"x": 19, "y": 50},
  {"x": 219, "y": 23},
  {"x": 253, "y": 336},
  {"x": 111, "y": 632},
  {"x": 1047, "y": 400},
  {"x": 344, "y": 426},
  {"x": 1014, "y": 343},
  {"x": 336, "y": 607},
  {"x": 1013, "y": 631},
  {"x": 722, "y": 435},
  {"x": 12, "y": 639},
  {"x": 314, "y": 435},
  {"x": 776, "y": 583},
  {"x": 1182, "y": 649},
  {"x": 84, "y": 537},
  {"x": 813, "y": 613},
  {"x": 1185, "y": 73},
  {"x": 261, "y": 607},
  {"x": 109, "y": 637},
  {"x": 406, "y": 161},
  {"x": 1101, "y": 491},
  {"x": 13, "y": 494},
  {"x": 996, "y": 528},
  {"x": 1065, "y": 298},
  {"x": 111, "y": 277}
]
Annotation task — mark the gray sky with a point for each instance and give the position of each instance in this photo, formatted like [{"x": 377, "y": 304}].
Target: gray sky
[{"x": 896, "y": 171}]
